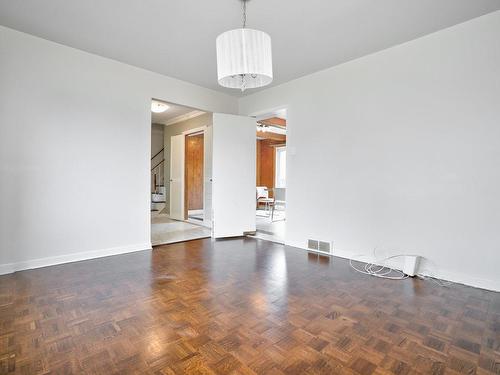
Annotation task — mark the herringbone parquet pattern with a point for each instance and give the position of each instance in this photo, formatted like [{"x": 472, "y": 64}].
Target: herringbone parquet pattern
[{"x": 239, "y": 307}]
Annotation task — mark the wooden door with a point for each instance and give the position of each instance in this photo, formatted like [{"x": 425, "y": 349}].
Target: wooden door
[
  {"x": 194, "y": 171},
  {"x": 266, "y": 162}
]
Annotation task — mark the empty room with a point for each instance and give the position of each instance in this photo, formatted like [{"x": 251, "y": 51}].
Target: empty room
[{"x": 250, "y": 187}]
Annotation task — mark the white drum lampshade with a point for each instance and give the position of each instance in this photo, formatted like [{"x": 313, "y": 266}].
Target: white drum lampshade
[{"x": 244, "y": 59}]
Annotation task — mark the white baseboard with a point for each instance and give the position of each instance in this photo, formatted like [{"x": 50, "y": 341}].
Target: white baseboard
[
  {"x": 68, "y": 258},
  {"x": 458, "y": 278},
  {"x": 473, "y": 281}
]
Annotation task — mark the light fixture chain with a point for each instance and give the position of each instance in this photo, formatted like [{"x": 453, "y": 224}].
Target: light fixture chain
[{"x": 244, "y": 13}]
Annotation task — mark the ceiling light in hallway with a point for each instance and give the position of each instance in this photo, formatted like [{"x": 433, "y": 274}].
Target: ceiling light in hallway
[{"x": 158, "y": 107}]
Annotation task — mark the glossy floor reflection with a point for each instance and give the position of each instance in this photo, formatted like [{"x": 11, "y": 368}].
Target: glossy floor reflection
[{"x": 240, "y": 306}]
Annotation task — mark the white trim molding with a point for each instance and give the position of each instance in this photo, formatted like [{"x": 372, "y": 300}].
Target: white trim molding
[
  {"x": 69, "y": 258},
  {"x": 184, "y": 117}
]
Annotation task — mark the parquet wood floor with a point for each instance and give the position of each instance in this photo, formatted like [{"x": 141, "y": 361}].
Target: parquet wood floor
[{"x": 239, "y": 306}]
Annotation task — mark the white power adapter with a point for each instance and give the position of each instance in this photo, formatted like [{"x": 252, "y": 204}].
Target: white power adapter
[{"x": 411, "y": 264}]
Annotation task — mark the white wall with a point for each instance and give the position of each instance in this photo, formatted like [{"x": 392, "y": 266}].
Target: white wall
[
  {"x": 74, "y": 144},
  {"x": 400, "y": 150}
]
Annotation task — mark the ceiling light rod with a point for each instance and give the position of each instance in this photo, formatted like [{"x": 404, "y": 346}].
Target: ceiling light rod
[
  {"x": 244, "y": 57},
  {"x": 244, "y": 13}
]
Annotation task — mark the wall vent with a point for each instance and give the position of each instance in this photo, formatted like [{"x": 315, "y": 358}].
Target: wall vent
[
  {"x": 325, "y": 247},
  {"x": 313, "y": 244},
  {"x": 320, "y": 246}
]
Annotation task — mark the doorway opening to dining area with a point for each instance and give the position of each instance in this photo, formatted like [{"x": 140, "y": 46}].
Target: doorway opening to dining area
[{"x": 270, "y": 192}]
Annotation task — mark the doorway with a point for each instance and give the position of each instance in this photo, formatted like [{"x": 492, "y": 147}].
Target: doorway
[
  {"x": 202, "y": 182},
  {"x": 178, "y": 155},
  {"x": 271, "y": 176}
]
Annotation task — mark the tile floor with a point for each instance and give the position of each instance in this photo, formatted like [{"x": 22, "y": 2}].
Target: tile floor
[{"x": 165, "y": 230}]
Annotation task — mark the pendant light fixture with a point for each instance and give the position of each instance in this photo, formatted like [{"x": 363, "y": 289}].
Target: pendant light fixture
[{"x": 244, "y": 58}]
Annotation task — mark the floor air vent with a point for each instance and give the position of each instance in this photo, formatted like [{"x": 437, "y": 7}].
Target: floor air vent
[
  {"x": 313, "y": 244},
  {"x": 320, "y": 246},
  {"x": 325, "y": 247}
]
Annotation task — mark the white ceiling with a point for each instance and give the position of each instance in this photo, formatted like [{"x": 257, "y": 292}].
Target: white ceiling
[{"x": 177, "y": 37}]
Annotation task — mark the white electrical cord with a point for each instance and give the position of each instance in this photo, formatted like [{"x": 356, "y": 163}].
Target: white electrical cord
[
  {"x": 380, "y": 269},
  {"x": 437, "y": 281}
]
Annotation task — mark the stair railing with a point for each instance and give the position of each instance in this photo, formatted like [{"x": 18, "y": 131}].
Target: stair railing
[{"x": 157, "y": 173}]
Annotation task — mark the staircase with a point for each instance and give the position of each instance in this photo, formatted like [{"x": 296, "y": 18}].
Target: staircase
[
  {"x": 158, "y": 191},
  {"x": 158, "y": 198}
]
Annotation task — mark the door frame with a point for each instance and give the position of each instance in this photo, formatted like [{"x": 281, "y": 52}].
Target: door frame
[
  {"x": 185, "y": 133},
  {"x": 290, "y": 150}
]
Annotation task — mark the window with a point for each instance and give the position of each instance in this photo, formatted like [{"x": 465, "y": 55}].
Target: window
[{"x": 280, "y": 167}]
